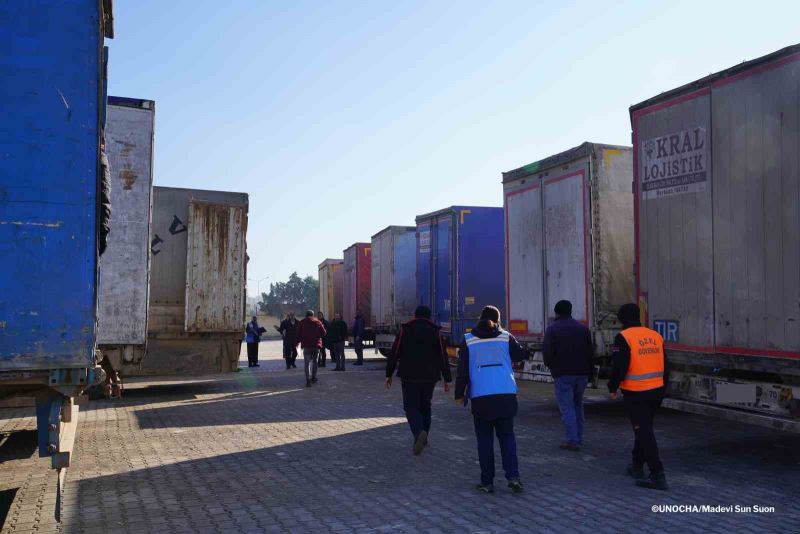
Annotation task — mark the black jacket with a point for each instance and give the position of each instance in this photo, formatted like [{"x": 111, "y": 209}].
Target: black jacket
[
  {"x": 488, "y": 407},
  {"x": 337, "y": 332},
  {"x": 419, "y": 352},
  {"x": 289, "y": 331},
  {"x": 621, "y": 359},
  {"x": 568, "y": 348},
  {"x": 326, "y": 340}
]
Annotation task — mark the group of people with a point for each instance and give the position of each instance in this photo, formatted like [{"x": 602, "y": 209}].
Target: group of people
[
  {"x": 315, "y": 336},
  {"x": 485, "y": 376}
]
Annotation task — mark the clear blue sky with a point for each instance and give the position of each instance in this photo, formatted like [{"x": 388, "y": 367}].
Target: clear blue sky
[{"x": 341, "y": 118}]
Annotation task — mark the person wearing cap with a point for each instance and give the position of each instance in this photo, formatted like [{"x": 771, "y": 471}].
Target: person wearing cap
[
  {"x": 640, "y": 371},
  {"x": 485, "y": 377},
  {"x": 569, "y": 354},
  {"x": 419, "y": 356}
]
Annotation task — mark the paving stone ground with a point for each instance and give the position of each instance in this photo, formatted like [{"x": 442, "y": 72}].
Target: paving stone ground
[{"x": 256, "y": 451}]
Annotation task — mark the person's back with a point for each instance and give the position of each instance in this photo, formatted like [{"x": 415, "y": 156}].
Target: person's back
[
  {"x": 568, "y": 348},
  {"x": 310, "y": 333},
  {"x": 569, "y": 353},
  {"x": 419, "y": 351}
]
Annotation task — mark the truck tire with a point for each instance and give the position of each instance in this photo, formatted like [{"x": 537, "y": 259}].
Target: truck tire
[{"x": 385, "y": 352}]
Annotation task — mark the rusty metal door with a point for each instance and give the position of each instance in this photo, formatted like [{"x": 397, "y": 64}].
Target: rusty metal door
[{"x": 215, "y": 267}]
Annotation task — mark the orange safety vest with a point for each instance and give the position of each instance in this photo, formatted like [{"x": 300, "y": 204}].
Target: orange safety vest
[{"x": 646, "y": 369}]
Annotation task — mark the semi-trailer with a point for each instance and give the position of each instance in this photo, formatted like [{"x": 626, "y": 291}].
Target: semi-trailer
[
  {"x": 331, "y": 275},
  {"x": 569, "y": 236},
  {"x": 125, "y": 266},
  {"x": 460, "y": 267},
  {"x": 51, "y": 209},
  {"x": 198, "y": 246},
  {"x": 717, "y": 238},
  {"x": 393, "y": 283},
  {"x": 356, "y": 286}
]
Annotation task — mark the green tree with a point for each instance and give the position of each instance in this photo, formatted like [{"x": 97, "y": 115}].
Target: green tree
[{"x": 295, "y": 295}]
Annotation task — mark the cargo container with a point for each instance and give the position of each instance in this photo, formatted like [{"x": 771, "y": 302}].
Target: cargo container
[
  {"x": 356, "y": 284},
  {"x": 460, "y": 266},
  {"x": 569, "y": 236},
  {"x": 125, "y": 266},
  {"x": 331, "y": 274},
  {"x": 53, "y": 93},
  {"x": 717, "y": 245},
  {"x": 197, "y": 281},
  {"x": 394, "y": 268}
]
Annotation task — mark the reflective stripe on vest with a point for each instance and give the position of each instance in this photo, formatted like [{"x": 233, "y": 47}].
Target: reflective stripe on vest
[
  {"x": 490, "y": 371},
  {"x": 646, "y": 368}
]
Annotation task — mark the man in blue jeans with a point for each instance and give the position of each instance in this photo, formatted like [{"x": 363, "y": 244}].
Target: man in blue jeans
[
  {"x": 485, "y": 377},
  {"x": 569, "y": 353}
]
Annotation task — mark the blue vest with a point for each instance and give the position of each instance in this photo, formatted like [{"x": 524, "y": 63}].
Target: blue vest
[{"x": 490, "y": 371}]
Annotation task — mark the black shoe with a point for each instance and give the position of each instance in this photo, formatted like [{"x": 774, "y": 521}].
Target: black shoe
[
  {"x": 516, "y": 485},
  {"x": 358, "y": 363},
  {"x": 485, "y": 488},
  {"x": 635, "y": 472},
  {"x": 569, "y": 446},
  {"x": 420, "y": 443},
  {"x": 256, "y": 365},
  {"x": 308, "y": 383},
  {"x": 655, "y": 481},
  {"x": 313, "y": 380}
]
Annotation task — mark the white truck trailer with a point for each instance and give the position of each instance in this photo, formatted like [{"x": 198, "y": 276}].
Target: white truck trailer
[
  {"x": 717, "y": 244},
  {"x": 569, "y": 236}
]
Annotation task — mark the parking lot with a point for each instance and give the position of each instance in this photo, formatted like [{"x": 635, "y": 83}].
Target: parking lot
[{"x": 256, "y": 451}]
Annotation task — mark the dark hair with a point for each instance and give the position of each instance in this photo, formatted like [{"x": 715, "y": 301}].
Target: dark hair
[
  {"x": 422, "y": 312},
  {"x": 563, "y": 307},
  {"x": 629, "y": 314},
  {"x": 490, "y": 313},
  {"x": 310, "y": 313}
]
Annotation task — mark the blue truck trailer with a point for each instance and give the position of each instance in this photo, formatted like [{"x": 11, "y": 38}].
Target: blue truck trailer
[
  {"x": 53, "y": 65},
  {"x": 460, "y": 267}
]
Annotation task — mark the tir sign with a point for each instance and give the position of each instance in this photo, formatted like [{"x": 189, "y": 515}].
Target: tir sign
[{"x": 668, "y": 330}]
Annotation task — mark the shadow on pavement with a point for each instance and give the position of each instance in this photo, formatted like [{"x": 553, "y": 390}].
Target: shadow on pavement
[{"x": 17, "y": 445}]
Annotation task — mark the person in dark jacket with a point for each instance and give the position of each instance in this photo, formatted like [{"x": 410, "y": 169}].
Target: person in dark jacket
[
  {"x": 288, "y": 331},
  {"x": 104, "y": 224},
  {"x": 325, "y": 344},
  {"x": 642, "y": 374},
  {"x": 338, "y": 337},
  {"x": 485, "y": 376},
  {"x": 569, "y": 353},
  {"x": 309, "y": 335},
  {"x": 358, "y": 337},
  {"x": 419, "y": 356},
  {"x": 252, "y": 337}
]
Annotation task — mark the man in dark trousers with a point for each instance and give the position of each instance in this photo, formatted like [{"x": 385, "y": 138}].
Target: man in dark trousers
[
  {"x": 569, "y": 353},
  {"x": 641, "y": 371},
  {"x": 288, "y": 331},
  {"x": 358, "y": 337},
  {"x": 485, "y": 377},
  {"x": 338, "y": 337},
  {"x": 418, "y": 354},
  {"x": 252, "y": 337},
  {"x": 325, "y": 344},
  {"x": 309, "y": 335}
]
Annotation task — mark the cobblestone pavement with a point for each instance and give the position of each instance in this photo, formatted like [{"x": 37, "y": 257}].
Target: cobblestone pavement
[{"x": 256, "y": 451}]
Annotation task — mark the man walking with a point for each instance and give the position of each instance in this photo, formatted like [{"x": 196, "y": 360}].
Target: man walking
[
  {"x": 640, "y": 369},
  {"x": 358, "y": 337},
  {"x": 569, "y": 353},
  {"x": 288, "y": 331},
  {"x": 338, "y": 337},
  {"x": 325, "y": 342},
  {"x": 309, "y": 335},
  {"x": 252, "y": 338},
  {"x": 485, "y": 377},
  {"x": 419, "y": 353}
]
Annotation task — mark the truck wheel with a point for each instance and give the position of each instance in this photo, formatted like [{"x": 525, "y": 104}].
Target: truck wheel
[{"x": 385, "y": 352}]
